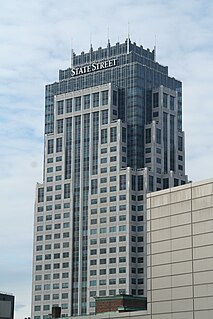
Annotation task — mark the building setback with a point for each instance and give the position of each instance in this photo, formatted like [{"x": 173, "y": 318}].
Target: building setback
[{"x": 113, "y": 133}]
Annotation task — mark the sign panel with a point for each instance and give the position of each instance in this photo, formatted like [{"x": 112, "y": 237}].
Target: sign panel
[{"x": 96, "y": 66}]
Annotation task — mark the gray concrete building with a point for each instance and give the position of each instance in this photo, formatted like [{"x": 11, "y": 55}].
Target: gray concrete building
[
  {"x": 6, "y": 306},
  {"x": 113, "y": 133}
]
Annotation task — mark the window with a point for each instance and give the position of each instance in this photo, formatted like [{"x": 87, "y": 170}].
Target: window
[
  {"x": 123, "y": 134},
  {"x": 165, "y": 100},
  {"x": 59, "y": 124},
  {"x": 122, "y": 197},
  {"x": 103, "y": 150},
  {"x": 112, "y": 260},
  {"x": 94, "y": 186},
  {"x": 103, "y": 160},
  {"x": 102, "y": 272},
  {"x": 155, "y": 100},
  {"x": 122, "y": 228},
  {"x": 86, "y": 101},
  {"x": 148, "y": 135},
  {"x": 103, "y": 251},
  {"x": 78, "y": 103},
  {"x": 113, "y": 134},
  {"x": 59, "y": 144},
  {"x": 104, "y": 136},
  {"x": 50, "y": 160},
  {"x": 122, "y": 280},
  {"x": 158, "y": 136},
  {"x": 60, "y": 107},
  {"x": 112, "y": 229},
  {"x": 40, "y": 195},
  {"x": 103, "y": 230},
  {"x": 93, "y": 272},
  {"x": 114, "y": 98},
  {"x": 95, "y": 98},
  {"x": 103, "y": 220},
  {"x": 112, "y": 188},
  {"x": 112, "y": 198},
  {"x": 140, "y": 183},
  {"x": 104, "y": 96},
  {"x": 104, "y": 116},
  {"x": 122, "y": 182},
  {"x": 103, "y": 210},
  {"x": 50, "y": 146},
  {"x": 103, "y": 240},
  {"x": 122, "y": 238},
  {"x": 68, "y": 105},
  {"x": 122, "y": 259}
]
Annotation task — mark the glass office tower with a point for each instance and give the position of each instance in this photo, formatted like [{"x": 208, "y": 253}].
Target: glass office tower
[{"x": 113, "y": 132}]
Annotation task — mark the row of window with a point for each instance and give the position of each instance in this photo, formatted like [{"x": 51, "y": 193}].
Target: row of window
[
  {"x": 50, "y": 217},
  {"x": 103, "y": 282},
  {"x": 49, "y": 236},
  {"x": 48, "y": 307},
  {"x": 94, "y": 241},
  {"x": 64, "y": 295},
  {"x": 84, "y": 101}
]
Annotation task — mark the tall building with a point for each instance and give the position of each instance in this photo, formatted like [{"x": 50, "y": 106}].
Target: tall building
[{"x": 113, "y": 132}]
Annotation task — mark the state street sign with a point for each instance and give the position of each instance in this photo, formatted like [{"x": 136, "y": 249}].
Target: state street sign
[{"x": 93, "y": 67}]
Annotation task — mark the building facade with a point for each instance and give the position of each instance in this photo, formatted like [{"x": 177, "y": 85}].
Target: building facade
[
  {"x": 113, "y": 132},
  {"x": 6, "y": 306},
  {"x": 179, "y": 255}
]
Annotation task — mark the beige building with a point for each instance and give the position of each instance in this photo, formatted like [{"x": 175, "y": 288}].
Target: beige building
[{"x": 179, "y": 254}]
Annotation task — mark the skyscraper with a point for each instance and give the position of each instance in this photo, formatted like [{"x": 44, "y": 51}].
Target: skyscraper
[{"x": 113, "y": 132}]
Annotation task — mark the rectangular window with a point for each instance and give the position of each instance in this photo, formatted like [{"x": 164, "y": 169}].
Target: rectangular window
[
  {"x": 59, "y": 124},
  {"x": 50, "y": 146},
  {"x": 94, "y": 186},
  {"x": 172, "y": 103},
  {"x": 60, "y": 107},
  {"x": 68, "y": 105},
  {"x": 158, "y": 136},
  {"x": 95, "y": 99},
  {"x": 123, "y": 134},
  {"x": 113, "y": 134},
  {"x": 104, "y": 117},
  {"x": 114, "y": 98},
  {"x": 66, "y": 190},
  {"x": 104, "y": 97},
  {"x": 78, "y": 103},
  {"x": 122, "y": 182},
  {"x": 165, "y": 100},
  {"x": 59, "y": 144},
  {"x": 40, "y": 195},
  {"x": 148, "y": 135},
  {"x": 155, "y": 100},
  {"x": 140, "y": 183},
  {"x": 104, "y": 136}
]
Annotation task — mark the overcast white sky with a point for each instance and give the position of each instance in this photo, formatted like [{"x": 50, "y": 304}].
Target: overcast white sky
[{"x": 35, "y": 39}]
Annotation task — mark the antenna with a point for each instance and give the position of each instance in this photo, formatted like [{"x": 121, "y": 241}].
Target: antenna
[
  {"x": 90, "y": 40},
  {"x": 108, "y": 35},
  {"x": 155, "y": 49},
  {"x": 71, "y": 53},
  {"x": 128, "y": 39}
]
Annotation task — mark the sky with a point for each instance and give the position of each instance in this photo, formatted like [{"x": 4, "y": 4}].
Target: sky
[{"x": 35, "y": 42}]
